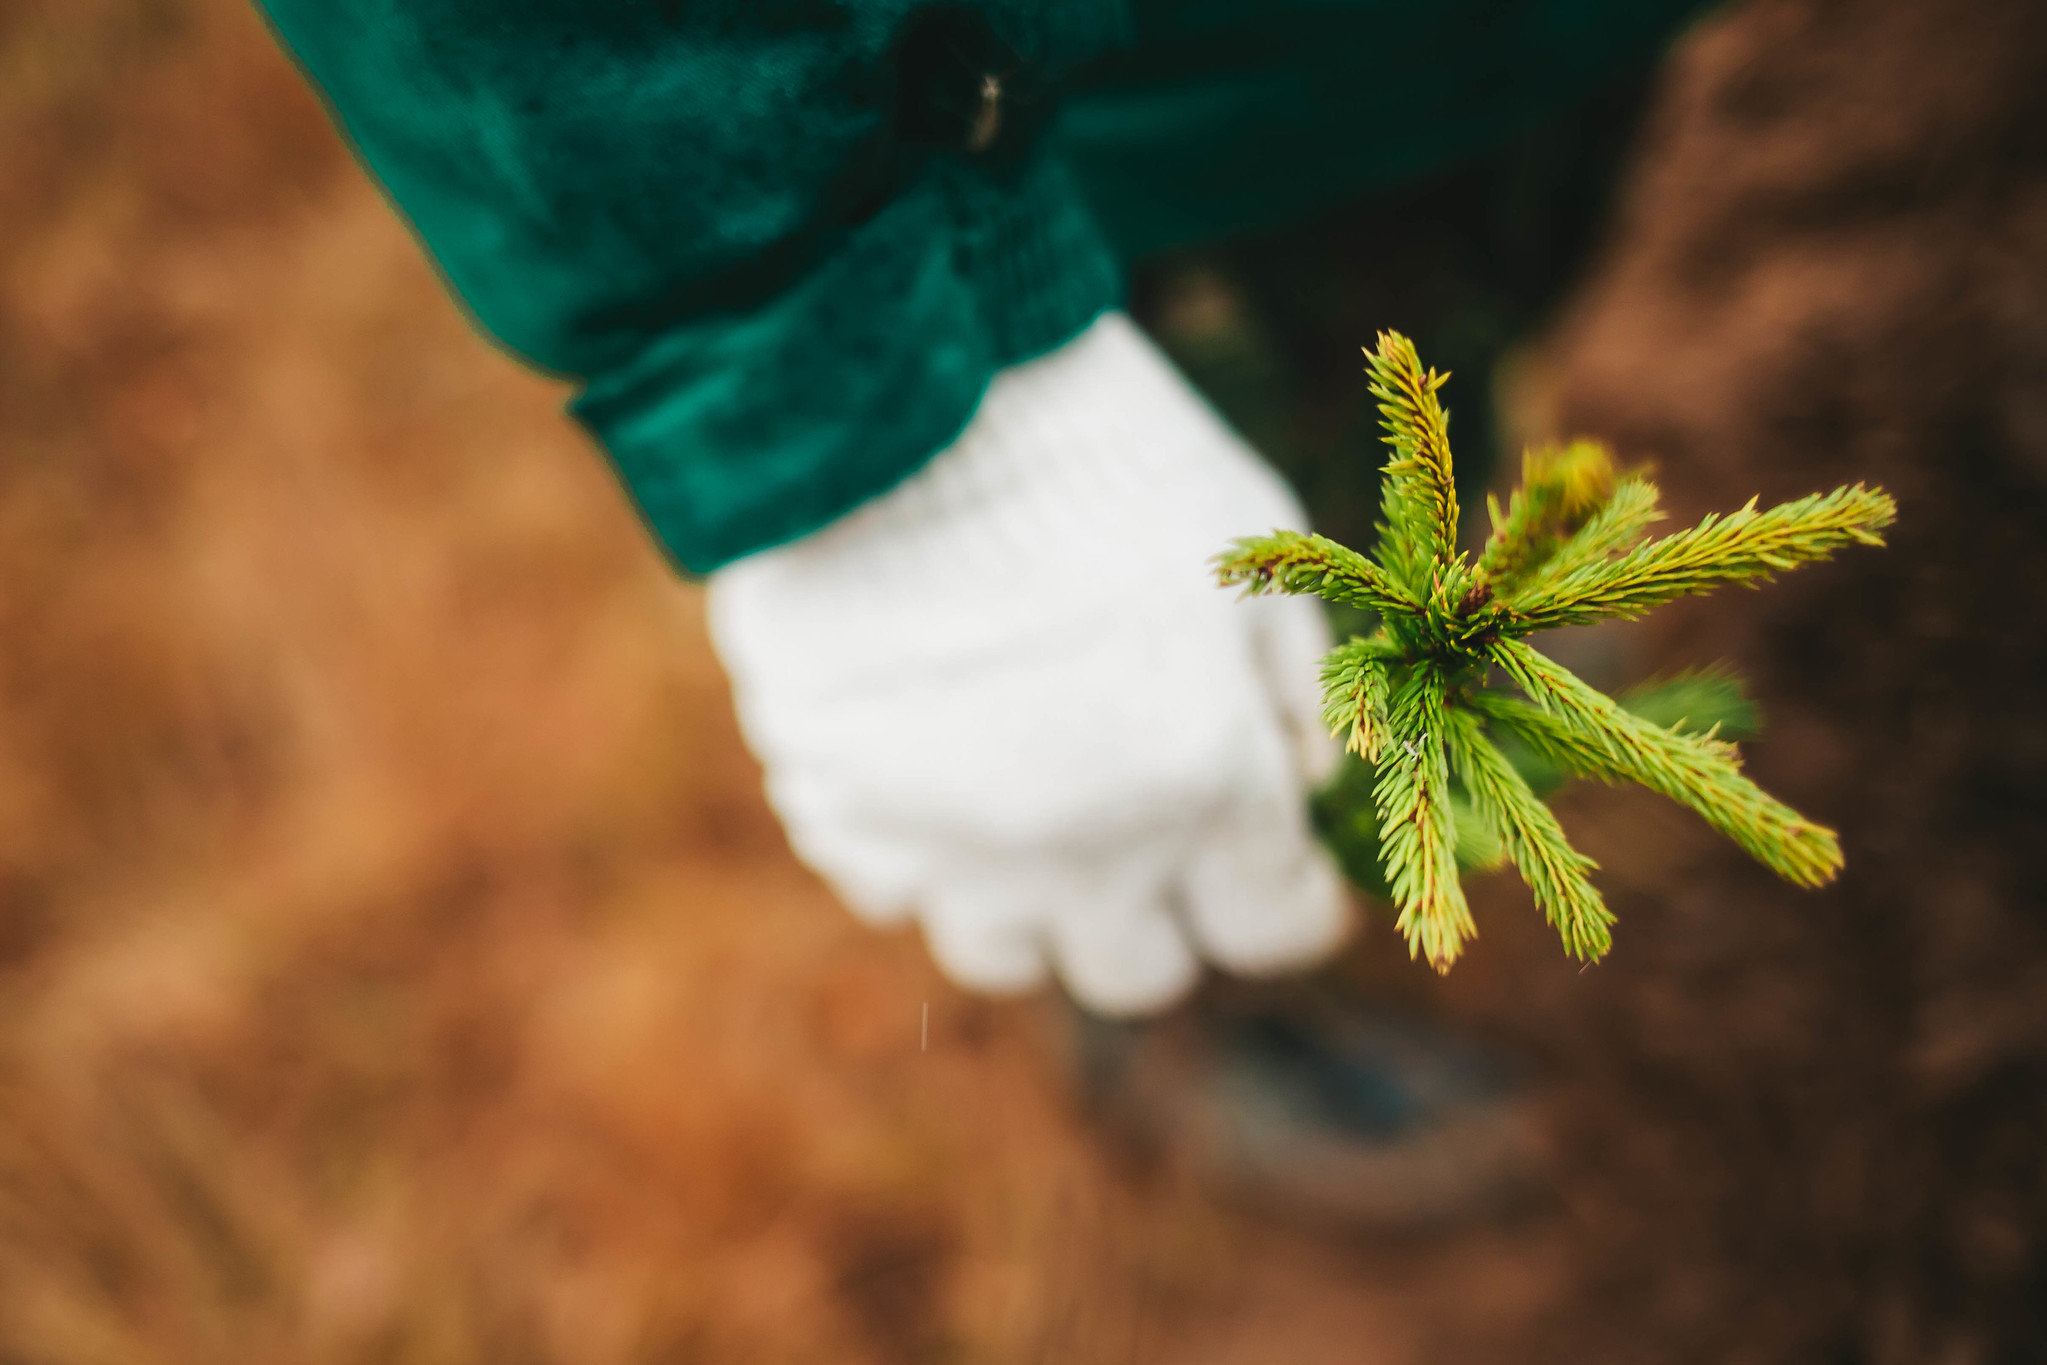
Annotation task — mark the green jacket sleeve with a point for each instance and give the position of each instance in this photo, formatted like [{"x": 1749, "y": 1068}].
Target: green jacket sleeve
[
  {"x": 782, "y": 245},
  {"x": 1228, "y": 115},
  {"x": 775, "y": 242}
]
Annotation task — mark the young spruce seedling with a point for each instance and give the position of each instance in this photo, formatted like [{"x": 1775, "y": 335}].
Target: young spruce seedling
[{"x": 1417, "y": 696}]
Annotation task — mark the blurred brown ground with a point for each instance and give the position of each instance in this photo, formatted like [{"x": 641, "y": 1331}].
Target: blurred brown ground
[{"x": 398, "y": 963}]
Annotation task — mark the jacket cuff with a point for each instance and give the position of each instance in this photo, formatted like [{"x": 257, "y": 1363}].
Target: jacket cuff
[{"x": 739, "y": 432}]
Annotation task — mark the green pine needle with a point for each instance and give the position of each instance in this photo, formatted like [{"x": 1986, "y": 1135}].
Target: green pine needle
[
  {"x": 1417, "y": 830},
  {"x": 1741, "y": 547},
  {"x": 1555, "y": 872},
  {"x": 1560, "y": 488},
  {"x": 1419, "y": 490},
  {"x": 1456, "y": 766},
  {"x": 1627, "y": 516},
  {"x": 1355, "y": 683},
  {"x": 1706, "y": 699},
  {"x": 1590, "y": 734},
  {"x": 1295, "y": 562}
]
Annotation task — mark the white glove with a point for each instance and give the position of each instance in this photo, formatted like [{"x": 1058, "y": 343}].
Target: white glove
[{"x": 1008, "y": 698}]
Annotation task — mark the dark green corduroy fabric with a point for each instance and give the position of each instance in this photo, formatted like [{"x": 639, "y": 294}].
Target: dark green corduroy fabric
[{"x": 779, "y": 292}]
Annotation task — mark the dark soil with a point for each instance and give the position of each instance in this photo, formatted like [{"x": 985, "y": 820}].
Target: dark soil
[{"x": 1832, "y": 266}]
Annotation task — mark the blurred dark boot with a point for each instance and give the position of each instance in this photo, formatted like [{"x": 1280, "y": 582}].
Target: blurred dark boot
[{"x": 1318, "y": 1110}]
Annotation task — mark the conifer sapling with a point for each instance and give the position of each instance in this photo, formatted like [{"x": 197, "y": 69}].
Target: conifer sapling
[{"x": 1453, "y": 753}]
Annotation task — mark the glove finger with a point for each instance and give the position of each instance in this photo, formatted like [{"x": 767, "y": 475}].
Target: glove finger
[
  {"x": 877, "y": 872},
  {"x": 1289, "y": 637},
  {"x": 1260, "y": 895},
  {"x": 984, "y": 933},
  {"x": 1105, "y": 925},
  {"x": 1263, "y": 907},
  {"x": 1119, "y": 949}
]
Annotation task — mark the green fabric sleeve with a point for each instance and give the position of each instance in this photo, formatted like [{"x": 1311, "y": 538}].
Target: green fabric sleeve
[
  {"x": 764, "y": 239},
  {"x": 775, "y": 304},
  {"x": 1228, "y": 115}
]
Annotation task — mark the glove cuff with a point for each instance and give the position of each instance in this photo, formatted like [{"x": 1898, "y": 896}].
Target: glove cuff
[{"x": 1062, "y": 453}]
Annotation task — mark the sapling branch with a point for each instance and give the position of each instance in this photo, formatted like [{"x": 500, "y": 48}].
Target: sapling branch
[{"x": 1459, "y": 765}]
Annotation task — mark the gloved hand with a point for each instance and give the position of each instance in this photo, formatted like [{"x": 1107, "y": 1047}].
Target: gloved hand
[{"x": 1008, "y": 698}]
